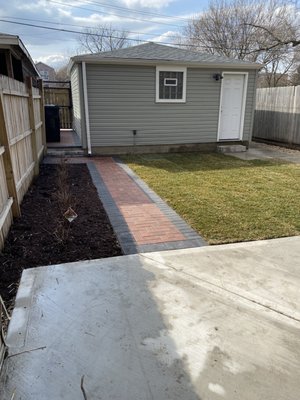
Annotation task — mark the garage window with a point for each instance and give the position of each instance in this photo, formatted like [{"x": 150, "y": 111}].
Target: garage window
[{"x": 170, "y": 85}]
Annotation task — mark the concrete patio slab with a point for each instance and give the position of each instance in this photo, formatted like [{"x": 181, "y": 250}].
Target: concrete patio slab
[
  {"x": 68, "y": 138},
  {"x": 210, "y": 323},
  {"x": 262, "y": 151}
]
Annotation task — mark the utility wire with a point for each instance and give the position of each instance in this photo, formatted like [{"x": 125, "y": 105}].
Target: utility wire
[
  {"x": 90, "y": 34},
  {"x": 126, "y": 9},
  {"x": 97, "y": 35},
  {"x": 118, "y": 15},
  {"x": 116, "y": 37},
  {"x": 87, "y": 27}
]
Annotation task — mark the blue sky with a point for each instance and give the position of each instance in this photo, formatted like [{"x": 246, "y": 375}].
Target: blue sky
[{"x": 55, "y": 48}]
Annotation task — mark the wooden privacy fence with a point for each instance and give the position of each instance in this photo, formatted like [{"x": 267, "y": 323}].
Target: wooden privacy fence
[
  {"x": 277, "y": 115},
  {"x": 59, "y": 94},
  {"x": 22, "y": 144}
]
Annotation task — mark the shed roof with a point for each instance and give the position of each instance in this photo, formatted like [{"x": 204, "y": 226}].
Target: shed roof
[{"x": 149, "y": 53}]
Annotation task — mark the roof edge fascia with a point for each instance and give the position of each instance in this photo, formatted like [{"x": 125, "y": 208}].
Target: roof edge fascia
[
  {"x": 191, "y": 64},
  {"x": 26, "y": 52}
]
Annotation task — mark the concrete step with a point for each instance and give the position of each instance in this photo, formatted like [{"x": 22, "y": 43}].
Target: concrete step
[
  {"x": 71, "y": 152},
  {"x": 234, "y": 148}
]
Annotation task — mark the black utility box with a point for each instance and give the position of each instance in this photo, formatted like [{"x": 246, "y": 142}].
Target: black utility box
[{"x": 52, "y": 123}]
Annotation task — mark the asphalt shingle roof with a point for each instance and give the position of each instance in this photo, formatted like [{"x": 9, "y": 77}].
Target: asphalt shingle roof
[{"x": 157, "y": 52}]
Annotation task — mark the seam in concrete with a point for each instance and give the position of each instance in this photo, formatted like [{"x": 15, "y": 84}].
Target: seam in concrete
[
  {"x": 175, "y": 245},
  {"x": 223, "y": 289},
  {"x": 116, "y": 218},
  {"x": 193, "y": 239}
]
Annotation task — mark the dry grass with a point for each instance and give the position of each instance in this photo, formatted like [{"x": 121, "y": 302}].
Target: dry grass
[{"x": 226, "y": 199}]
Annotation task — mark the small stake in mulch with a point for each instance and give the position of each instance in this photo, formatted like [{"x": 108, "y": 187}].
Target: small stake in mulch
[{"x": 70, "y": 214}]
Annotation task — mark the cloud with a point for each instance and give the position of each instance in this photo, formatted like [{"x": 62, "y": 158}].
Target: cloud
[
  {"x": 147, "y": 3},
  {"x": 55, "y": 47},
  {"x": 54, "y": 60},
  {"x": 167, "y": 37}
]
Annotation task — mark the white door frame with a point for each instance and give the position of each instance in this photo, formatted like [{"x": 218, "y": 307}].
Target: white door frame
[{"x": 243, "y": 103}]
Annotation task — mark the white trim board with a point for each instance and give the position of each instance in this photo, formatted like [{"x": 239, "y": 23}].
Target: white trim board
[
  {"x": 86, "y": 109},
  {"x": 171, "y": 69}
]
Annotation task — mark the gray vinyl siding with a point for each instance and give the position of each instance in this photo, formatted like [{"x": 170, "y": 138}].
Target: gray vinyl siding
[
  {"x": 76, "y": 100},
  {"x": 250, "y": 105},
  {"x": 78, "y": 104},
  {"x": 122, "y": 99}
]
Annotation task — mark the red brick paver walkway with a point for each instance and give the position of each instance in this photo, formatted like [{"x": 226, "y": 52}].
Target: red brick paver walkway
[{"x": 148, "y": 225}]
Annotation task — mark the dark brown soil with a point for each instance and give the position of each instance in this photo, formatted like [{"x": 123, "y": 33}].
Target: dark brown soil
[{"x": 42, "y": 236}]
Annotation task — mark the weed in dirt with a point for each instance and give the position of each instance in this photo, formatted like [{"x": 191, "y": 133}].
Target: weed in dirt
[{"x": 65, "y": 201}]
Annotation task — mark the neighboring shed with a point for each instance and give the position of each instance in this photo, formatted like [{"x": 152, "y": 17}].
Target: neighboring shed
[
  {"x": 152, "y": 97},
  {"x": 15, "y": 61}
]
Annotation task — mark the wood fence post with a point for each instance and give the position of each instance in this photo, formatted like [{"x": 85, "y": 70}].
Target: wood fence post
[
  {"x": 42, "y": 113},
  {"x": 8, "y": 167},
  {"x": 32, "y": 126}
]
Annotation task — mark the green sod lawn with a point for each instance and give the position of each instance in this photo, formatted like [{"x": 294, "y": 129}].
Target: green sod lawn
[{"x": 223, "y": 198}]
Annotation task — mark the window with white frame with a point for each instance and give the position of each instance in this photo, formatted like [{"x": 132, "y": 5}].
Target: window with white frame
[
  {"x": 170, "y": 84},
  {"x": 44, "y": 75}
]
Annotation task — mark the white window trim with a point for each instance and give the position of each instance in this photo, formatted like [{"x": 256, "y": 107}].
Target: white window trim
[{"x": 171, "y": 69}]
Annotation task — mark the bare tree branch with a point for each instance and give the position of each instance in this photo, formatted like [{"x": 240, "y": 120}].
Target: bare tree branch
[
  {"x": 278, "y": 40},
  {"x": 102, "y": 38},
  {"x": 263, "y": 32}
]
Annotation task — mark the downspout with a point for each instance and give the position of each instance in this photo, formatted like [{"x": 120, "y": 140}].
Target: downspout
[{"x": 86, "y": 109}]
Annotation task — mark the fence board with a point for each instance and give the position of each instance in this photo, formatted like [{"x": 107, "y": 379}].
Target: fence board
[
  {"x": 7, "y": 160},
  {"x": 277, "y": 115},
  {"x": 22, "y": 144},
  {"x": 61, "y": 97},
  {"x": 5, "y": 202}
]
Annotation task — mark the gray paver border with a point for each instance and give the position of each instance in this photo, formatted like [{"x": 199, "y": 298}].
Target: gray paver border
[{"x": 125, "y": 238}]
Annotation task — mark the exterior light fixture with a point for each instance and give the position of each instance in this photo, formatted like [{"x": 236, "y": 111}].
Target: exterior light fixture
[{"x": 217, "y": 77}]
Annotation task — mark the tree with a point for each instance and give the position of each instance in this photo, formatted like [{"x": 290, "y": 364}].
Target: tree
[
  {"x": 248, "y": 30},
  {"x": 102, "y": 38},
  {"x": 295, "y": 76},
  {"x": 62, "y": 74}
]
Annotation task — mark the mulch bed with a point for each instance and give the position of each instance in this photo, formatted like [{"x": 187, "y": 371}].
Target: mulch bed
[{"x": 42, "y": 236}]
